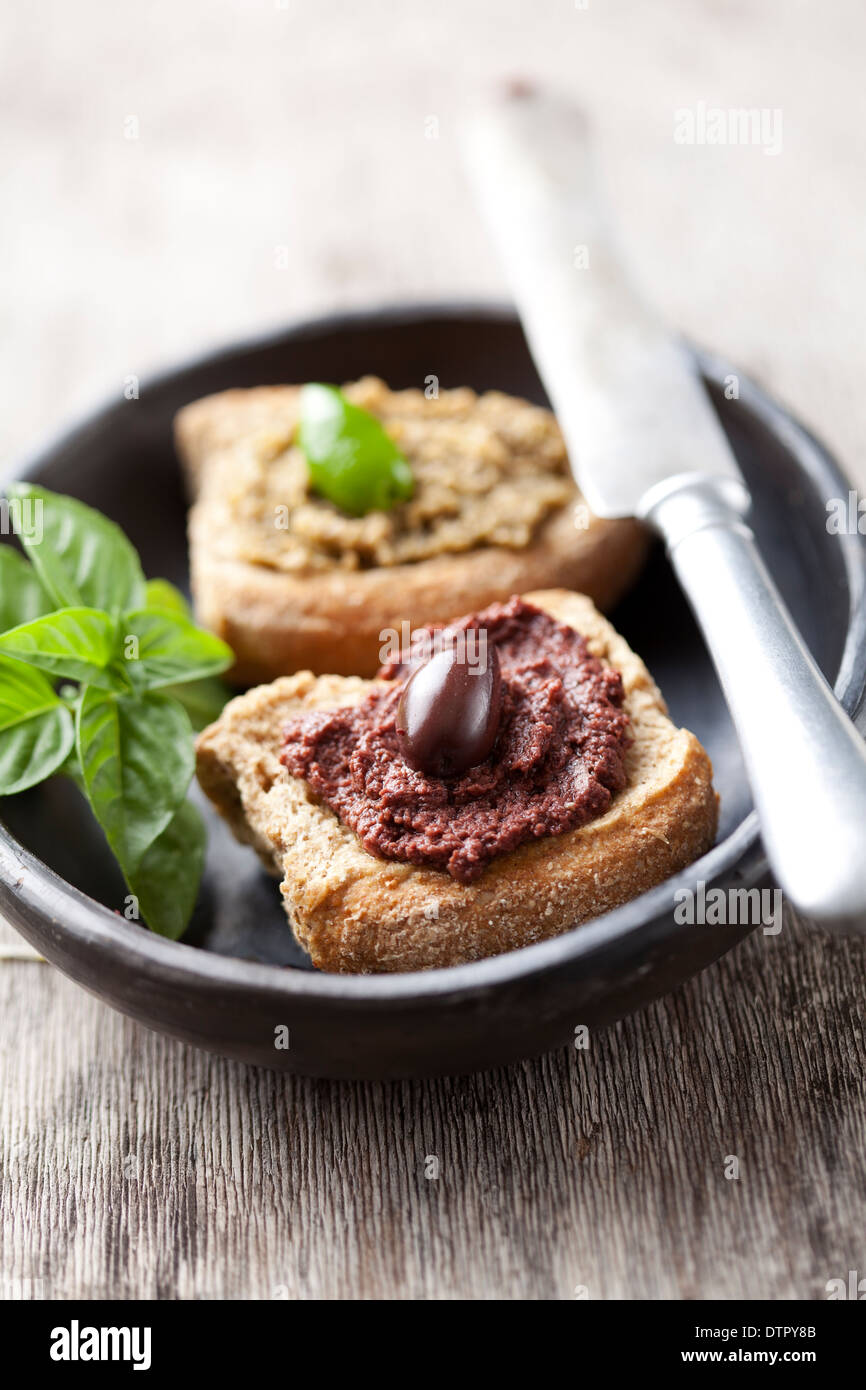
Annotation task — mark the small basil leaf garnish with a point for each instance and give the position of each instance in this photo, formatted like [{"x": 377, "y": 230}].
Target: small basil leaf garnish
[{"x": 352, "y": 461}]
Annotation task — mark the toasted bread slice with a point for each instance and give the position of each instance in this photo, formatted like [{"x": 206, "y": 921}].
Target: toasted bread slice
[
  {"x": 358, "y": 914},
  {"x": 331, "y": 619}
]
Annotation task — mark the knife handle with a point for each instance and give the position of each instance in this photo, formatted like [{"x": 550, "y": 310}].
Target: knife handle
[{"x": 805, "y": 760}]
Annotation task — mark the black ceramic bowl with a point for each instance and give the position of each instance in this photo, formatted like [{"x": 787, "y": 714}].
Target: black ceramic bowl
[{"x": 238, "y": 975}]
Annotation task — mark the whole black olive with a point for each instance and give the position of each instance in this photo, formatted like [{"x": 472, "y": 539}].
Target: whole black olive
[{"x": 448, "y": 715}]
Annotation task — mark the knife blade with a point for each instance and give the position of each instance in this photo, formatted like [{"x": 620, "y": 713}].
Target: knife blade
[
  {"x": 643, "y": 440},
  {"x": 627, "y": 394}
]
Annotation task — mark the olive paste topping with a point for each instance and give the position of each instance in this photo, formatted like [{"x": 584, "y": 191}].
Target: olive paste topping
[
  {"x": 509, "y": 731},
  {"x": 486, "y": 470}
]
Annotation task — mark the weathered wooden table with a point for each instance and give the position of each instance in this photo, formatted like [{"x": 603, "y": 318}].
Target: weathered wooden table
[
  {"x": 133, "y": 1166},
  {"x": 147, "y": 213}
]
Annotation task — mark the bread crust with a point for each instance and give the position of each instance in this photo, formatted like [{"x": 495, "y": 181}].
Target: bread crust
[
  {"x": 331, "y": 622},
  {"x": 358, "y": 914}
]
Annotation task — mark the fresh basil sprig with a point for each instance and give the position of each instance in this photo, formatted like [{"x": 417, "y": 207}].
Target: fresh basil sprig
[
  {"x": 202, "y": 699},
  {"x": 81, "y": 558},
  {"x": 79, "y": 610},
  {"x": 352, "y": 461},
  {"x": 36, "y": 729},
  {"x": 22, "y": 597},
  {"x": 77, "y": 644}
]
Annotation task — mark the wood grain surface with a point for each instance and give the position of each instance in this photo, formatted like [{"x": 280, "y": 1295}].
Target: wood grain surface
[{"x": 134, "y": 1166}]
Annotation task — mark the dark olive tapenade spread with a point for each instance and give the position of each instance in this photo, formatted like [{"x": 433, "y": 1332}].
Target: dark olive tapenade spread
[{"x": 557, "y": 759}]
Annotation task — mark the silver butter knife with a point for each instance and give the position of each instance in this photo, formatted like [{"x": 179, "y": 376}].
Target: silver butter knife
[{"x": 644, "y": 441}]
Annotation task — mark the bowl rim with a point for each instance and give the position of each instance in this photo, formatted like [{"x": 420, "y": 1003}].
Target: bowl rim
[{"x": 42, "y": 893}]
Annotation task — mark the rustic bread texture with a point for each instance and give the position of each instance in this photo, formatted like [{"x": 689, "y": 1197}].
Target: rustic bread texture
[
  {"x": 278, "y": 622},
  {"x": 358, "y": 914}
]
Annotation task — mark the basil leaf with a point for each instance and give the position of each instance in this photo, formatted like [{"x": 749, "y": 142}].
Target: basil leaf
[
  {"x": 34, "y": 750},
  {"x": 159, "y": 593},
  {"x": 137, "y": 760},
  {"x": 204, "y": 701},
  {"x": 75, "y": 643},
  {"x": 81, "y": 557},
  {"x": 36, "y": 728},
  {"x": 23, "y": 692},
  {"x": 353, "y": 462},
  {"x": 167, "y": 879},
  {"x": 22, "y": 597},
  {"x": 170, "y": 650}
]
